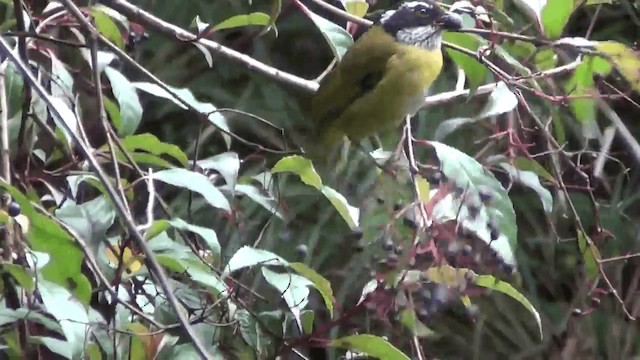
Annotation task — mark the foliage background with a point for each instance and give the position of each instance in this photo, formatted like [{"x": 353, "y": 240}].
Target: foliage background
[{"x": 554, "y": 274}]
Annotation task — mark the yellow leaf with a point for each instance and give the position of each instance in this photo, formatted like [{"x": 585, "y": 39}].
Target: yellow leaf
[
  {"x": 357, "y": 7},
  {"x": 132, "y": 263}
]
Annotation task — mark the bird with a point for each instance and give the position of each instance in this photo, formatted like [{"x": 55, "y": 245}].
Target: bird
[{"x": 383, "y": 76}]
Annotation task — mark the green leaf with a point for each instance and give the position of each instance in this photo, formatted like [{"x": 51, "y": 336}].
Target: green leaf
[
  {"x": 56, "y": 346},
  {"x": 300, "y": 166},
  {"x": 90, "y": 220},
  {"x": 186, "y": 95},
  {"x": 157, "y": 228},
  {"x": 65, "y": 258},
  {"x": 338, "y": 38},
  {"x": 69, "y": 312},
  {"x": 523, "y": 163},
  {"x": 530, "y": 180},
  {"x": 150, "y": 143},
  {"x": 490, "y": 282},
  {"x": 371, "y": 345},
  {"x": 625, "y": 59},
  {"x": 113, "y": 111},
  {"x": 195, "y": 182},
  {"x": 555, "y": 15},
  {"x": 208, "y": 235},
  {"x": 319, "y": 282},
  {"x": 501, "y": 101},
  {"x": 350, "y": 214},
  {"x": 247, "y": 256},
  {"x": 546, "y": 59},
  {"x": 67, "y": 117},
  {"x": 307, "y": 317},
  {"x": 10, "y": 316},
  {"x": 260, "y": 197},
  {"x": 227, "y": 164},
  {"x": 590, "y": 255},
  {"x": 125, "y": 93},
  {"x": 470, "y": 175},
  {"x": 304, "y": 169},
  {"x": 255, "y": 19},
  {"x": 144, "y": 158},
  {"x": 476, "y": 72},
  {"x": 293, "y": 288},
  {"x": 14, "y": 84},
  {"x": 107, "y": 27},
  {"x": 23, "y": 276}
]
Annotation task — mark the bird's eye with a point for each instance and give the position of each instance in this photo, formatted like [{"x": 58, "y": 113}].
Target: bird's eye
[{"x": 423, "y": 11}]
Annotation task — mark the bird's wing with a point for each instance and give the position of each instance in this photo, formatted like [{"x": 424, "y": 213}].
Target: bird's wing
[{"x": 360, "y": 70}]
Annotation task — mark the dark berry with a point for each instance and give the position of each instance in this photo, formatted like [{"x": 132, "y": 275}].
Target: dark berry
[{"x": 13, "y": 209}]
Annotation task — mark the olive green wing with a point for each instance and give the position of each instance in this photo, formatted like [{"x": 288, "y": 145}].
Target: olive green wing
[{"x": 360, "y": 70}]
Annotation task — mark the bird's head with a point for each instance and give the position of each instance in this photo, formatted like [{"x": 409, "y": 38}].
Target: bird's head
[{"x": 419, "y": 23}]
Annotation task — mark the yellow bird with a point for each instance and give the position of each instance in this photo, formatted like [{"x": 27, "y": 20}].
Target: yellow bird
[{"x": 384, "y": 76}]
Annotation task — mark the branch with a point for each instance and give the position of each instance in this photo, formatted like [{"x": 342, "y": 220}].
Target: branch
[
  {"x": 120, "y": 208},
  {"x": 250, "y": 63}
]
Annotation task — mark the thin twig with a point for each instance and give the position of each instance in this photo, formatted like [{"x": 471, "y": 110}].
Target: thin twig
[{"x": 120, "y": 208}]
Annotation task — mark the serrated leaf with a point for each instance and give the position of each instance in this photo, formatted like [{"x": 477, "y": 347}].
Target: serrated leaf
[
  {"x": 371, "y": 345},
  {"x": 195, "y": 182},
  {"x": 253, "y": 19},
  {"x": 467, "y": 173},
  {"x": 490, "y": 282},
  {"x": 247, "y": 256},
  {"x": 125, "y": 93},
  {"x": 319, "y": 282},
  {"x": 151, "y": 144},
  {"x": 555, "y": 16},
  {"x": 107, "y": 27},
  {"x": 530, "y": 180}
]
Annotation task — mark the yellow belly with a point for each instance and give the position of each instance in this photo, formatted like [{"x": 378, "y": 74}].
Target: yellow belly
[{"x": 408, "y": 76}]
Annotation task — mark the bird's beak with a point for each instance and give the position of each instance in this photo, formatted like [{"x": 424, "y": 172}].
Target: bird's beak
[{"x": 450, "y": 21}]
